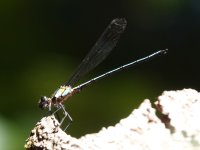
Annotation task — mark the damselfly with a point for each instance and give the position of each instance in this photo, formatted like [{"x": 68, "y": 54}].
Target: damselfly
[{"x": 96, "y": 55}]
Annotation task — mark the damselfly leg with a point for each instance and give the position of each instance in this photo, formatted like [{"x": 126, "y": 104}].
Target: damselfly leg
[{"x": 61, "y": 107}]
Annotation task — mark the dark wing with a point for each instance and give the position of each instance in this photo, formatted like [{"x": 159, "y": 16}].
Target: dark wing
[{"x": 100, "y": 50}]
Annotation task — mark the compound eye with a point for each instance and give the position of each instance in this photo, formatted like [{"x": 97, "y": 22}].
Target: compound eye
[
  {"x": 43, "y": 98},
  {"x": 43, "y": 102}
]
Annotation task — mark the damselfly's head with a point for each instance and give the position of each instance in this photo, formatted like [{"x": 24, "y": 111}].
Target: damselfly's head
[{"x": 44, "y": 102}]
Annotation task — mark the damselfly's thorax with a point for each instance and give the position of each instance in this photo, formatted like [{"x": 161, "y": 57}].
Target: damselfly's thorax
[
  {"x": 59, "y": 96},
  {"x": 62, "y": 94}
]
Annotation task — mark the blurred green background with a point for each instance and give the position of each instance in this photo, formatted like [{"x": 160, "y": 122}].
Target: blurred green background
[{"x": 42, "y": 43}]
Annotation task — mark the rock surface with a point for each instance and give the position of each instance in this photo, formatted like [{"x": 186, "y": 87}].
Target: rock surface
[{"x": 177, "y": 127}]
